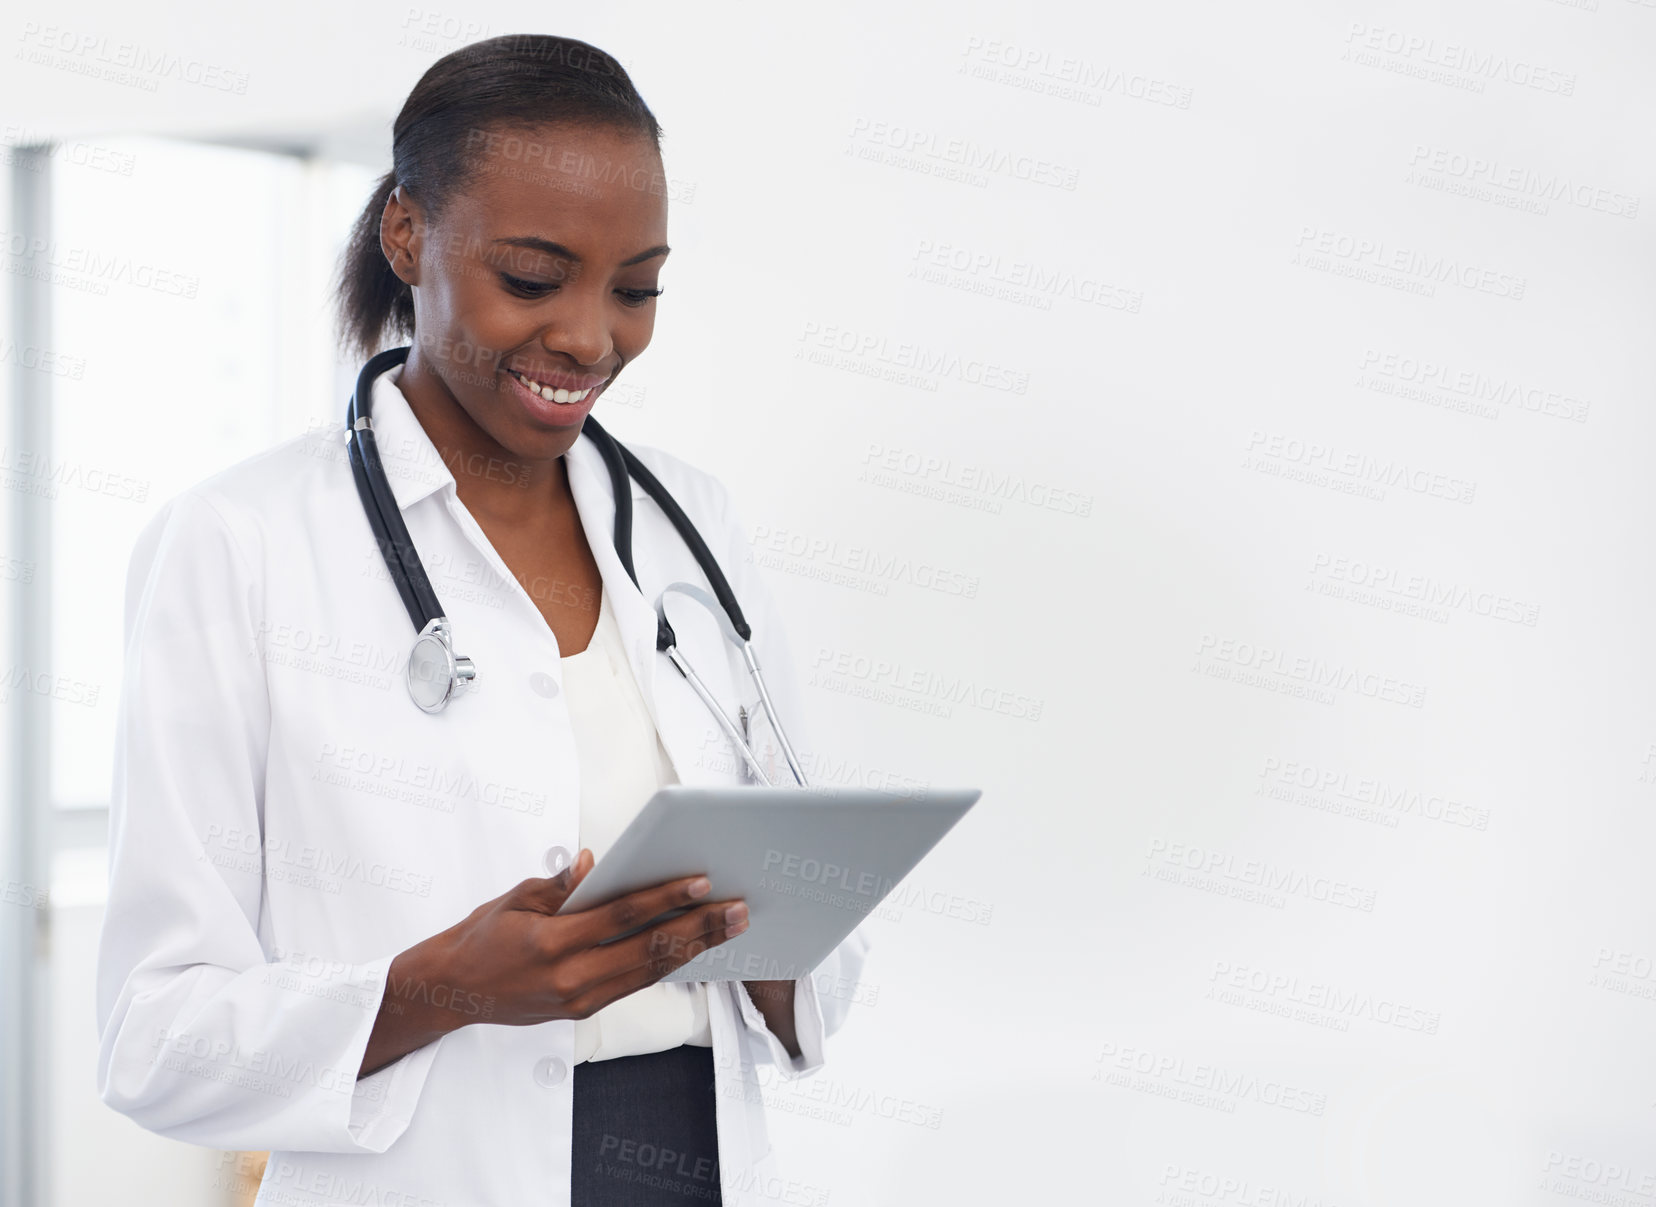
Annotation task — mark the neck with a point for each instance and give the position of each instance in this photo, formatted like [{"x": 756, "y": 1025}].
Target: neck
[{"x": 490, "y": 478}]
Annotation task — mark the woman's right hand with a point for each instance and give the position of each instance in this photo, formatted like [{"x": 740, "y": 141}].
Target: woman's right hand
[{"x": 517, "y": 961}]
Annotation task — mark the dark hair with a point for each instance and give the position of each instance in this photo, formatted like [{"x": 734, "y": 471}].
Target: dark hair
[{"x": 515, "y": 81}]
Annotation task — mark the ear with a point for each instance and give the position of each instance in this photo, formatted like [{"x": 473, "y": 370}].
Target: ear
[{"x": 400, "y": 240}]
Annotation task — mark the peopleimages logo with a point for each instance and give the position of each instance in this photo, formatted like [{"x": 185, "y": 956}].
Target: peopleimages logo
[
  {"x": 1474, "y": 66},
  {"x": 1422, "y": 588},
  {"x": 1522, "y": 182},
  {"x": 830, "y": 875},
  {"x": 1473, "y": 385},
  {"x": 1370, "y": 790},
  {"x": 822, "y": 880},
  {"x": 1260, "y": 874},
  {"x": 1209, "y": 1084},
  {"x": 1264, "y": 660},
  {"x": 1377, "y": 255},
  {"x": 964, "y": 153},
  {"x": 131, "y": 63},
  {"x": 1358, "y": 468},
  {"x": 305, "y": 864},
  {"x": 907, "y": 354},
  {"x": 416, "y": 782},
  {"x": 926, "y": 690},
  {"x": 29, "y": 254},
  {"x": 1320, "y": 996},
  {"x": 770, "y": 546},
  {"x": 1044, "y": 281},
  {"x": 224, "y": 1060},
  {"x": 1065, "y": 76}
]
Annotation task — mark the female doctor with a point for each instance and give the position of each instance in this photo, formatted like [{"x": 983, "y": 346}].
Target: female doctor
[{"x": 331, "y": 928}]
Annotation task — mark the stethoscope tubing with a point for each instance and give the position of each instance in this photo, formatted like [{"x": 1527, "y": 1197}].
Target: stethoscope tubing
[
  {"x": 426, "y": 611},
  {"x": 380, "y": 505}
]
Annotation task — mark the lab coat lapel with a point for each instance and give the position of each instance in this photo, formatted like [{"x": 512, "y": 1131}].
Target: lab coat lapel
[
  {"x": 688, "y": 733},
  {"x": 589, "y": 482}
]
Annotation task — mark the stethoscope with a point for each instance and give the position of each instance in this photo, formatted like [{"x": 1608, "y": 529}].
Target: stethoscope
[{"x": 437, "y": 675}]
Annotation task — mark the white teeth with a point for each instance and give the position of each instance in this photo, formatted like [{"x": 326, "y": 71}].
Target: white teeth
[{"x": 550, "y": 394}]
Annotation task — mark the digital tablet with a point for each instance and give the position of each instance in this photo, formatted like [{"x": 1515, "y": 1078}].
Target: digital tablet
[{"x": 811, "y": 863}]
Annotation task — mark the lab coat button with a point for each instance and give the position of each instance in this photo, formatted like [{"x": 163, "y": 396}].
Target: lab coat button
[
  {"x": 555, "y": 860},
  {"x": 550, "y": 1071},
  {"x": 544, "y": 684}
]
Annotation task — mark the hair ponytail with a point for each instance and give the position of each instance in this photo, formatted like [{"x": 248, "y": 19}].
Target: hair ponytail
[
  {"x": 516, "y": 81},
  {"x": 372, "y": 301}
]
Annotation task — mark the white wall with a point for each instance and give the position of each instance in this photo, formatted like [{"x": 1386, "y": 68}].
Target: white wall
[{"x": 1272, "y": 261}]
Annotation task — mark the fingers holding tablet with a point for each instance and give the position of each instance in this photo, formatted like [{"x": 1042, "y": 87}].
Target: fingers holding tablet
[{"x": 613, "y": 967}]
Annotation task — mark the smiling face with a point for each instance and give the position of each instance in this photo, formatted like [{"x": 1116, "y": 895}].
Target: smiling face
[{"x": 536, "y": 283}]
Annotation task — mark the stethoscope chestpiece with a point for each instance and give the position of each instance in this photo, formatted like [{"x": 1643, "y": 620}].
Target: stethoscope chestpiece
[{"x": 435, "y": 673}]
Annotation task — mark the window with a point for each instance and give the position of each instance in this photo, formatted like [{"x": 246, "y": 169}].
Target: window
[
  {"x": 177, "y": 321},
  {"x": 192, "y": 326}
]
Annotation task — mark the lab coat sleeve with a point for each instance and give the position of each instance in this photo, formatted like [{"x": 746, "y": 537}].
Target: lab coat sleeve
[
  {"x": 203, "y": 1039},
  {"x": 823, "y": 998}
]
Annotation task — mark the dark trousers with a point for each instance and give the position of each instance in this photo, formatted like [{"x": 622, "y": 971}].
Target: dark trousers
[{"x": 644, "y": 1131}]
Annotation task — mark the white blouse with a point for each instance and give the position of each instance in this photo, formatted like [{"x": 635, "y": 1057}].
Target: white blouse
[{"x": 622, "y": 763}]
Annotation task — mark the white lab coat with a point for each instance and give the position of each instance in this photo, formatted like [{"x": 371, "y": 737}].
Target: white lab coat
[{"x": 284, "y": 821}]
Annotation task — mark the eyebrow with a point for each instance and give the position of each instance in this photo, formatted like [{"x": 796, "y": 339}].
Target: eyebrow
[{"x": 536, "y": 243}]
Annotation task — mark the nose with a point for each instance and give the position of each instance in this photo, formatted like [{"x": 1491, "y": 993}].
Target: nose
[{"x": 581, "y": 330}]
